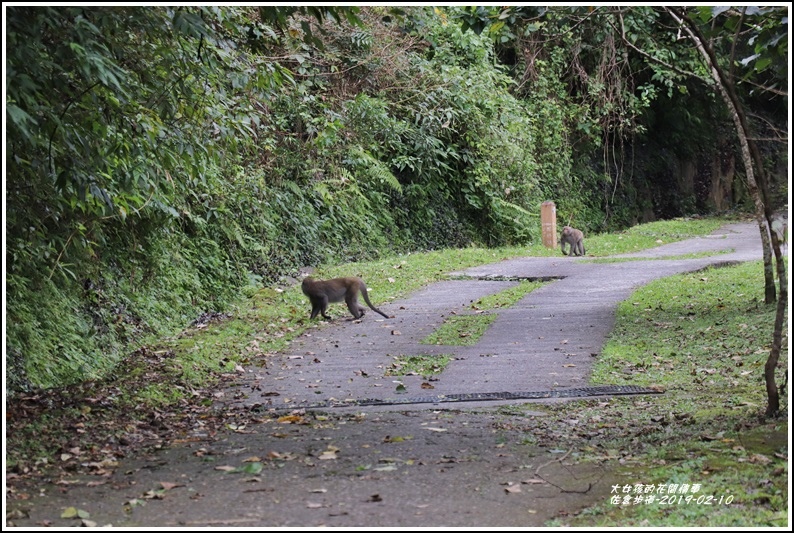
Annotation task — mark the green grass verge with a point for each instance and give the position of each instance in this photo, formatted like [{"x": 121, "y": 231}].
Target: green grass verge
[
  {"x": 425, "y": 365},
  {"x": 466, "y": 330},
  {"x": 507, "y": 297},
  {"x": 704, "y": 338},
  {"x": 650, "y": 235},
  {"x": 461, "y": 330}
]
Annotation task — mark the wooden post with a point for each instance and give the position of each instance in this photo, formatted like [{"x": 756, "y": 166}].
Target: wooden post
[{"x": 548, "y": 224}]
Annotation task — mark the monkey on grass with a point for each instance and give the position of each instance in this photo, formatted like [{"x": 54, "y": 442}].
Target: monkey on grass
[
  {"x": 574, "y": 239},
  {"x": 321, "y": 293}
]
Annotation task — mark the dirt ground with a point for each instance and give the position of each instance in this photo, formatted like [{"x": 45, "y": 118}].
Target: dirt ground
[{"x": 415, "y": 468}]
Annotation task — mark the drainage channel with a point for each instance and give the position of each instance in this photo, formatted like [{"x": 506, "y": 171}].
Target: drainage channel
[
  {"x": 506, "y": 278},
  {"x": 610, "y": 390}
]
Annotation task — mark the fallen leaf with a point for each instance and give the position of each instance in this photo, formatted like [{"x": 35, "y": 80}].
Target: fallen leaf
[
  {"x": 17, "y": 514},
  {"x": 290, "y": 419},
  {"x": 513, "y": 489},
  {"x": 330, "y": 453},
  {"x": 435, "y": 429},
  {"x": 73, "y": 512},
  {"x": 252, "y": 468},
  {"x": 167, "y": 485}
]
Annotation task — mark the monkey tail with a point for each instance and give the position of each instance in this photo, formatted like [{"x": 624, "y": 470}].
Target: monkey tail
[{"x": 366, "y": 299}]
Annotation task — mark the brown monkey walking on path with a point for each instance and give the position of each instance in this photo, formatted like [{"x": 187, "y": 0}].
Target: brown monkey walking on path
[
  {"x": 574, "y": 239},
  {"x": 322, "y": 293}
]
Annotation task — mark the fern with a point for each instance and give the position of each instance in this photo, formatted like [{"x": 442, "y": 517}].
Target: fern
[{"x": 374, "y": 169}]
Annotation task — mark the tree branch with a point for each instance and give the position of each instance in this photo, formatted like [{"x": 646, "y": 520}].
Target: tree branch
[{"x": 649, "y": 56}]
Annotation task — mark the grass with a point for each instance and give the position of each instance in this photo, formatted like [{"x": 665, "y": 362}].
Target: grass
[
  {"x": 650, "y": 235},
  {"x": 704, "y": 338},
  {"x": 709, "y": 327},
  {"x": 507, "y": 297},
  {"x": 466, "y": 330},
  {"x": 462, "y": 330},
  {"x": 425, "y": 365}
]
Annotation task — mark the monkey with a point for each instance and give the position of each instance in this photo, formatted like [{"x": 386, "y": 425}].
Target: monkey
[
  {"x": 321, "y": 293},
  {"x": 574, "y": 239}
]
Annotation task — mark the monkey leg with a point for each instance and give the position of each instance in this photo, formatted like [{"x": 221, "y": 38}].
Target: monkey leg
[{"x": 356, "y": 310}]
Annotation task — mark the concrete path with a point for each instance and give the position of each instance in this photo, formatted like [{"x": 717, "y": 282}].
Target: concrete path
[
  {"x": 424, "y": 465},
  {"x": 547, "y": 341}
]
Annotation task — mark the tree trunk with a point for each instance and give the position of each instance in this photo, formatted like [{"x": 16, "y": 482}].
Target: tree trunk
[{"x": 763, "y": 212}]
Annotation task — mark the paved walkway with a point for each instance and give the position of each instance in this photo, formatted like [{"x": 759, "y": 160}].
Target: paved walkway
[
  {"x": 547, "y": 341},
  {"x": 403, "y": 466}
]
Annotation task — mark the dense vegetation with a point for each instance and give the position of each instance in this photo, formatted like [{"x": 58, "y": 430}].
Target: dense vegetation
[{"x": 162, "y": 159}]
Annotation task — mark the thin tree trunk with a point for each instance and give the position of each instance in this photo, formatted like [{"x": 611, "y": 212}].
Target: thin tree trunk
[{"x": 763, "y": 212}]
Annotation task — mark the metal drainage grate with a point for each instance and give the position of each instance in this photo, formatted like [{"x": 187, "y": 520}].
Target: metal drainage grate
[
  {"x": 610, "y": 390},
  {"x": 506, "y": 278}
]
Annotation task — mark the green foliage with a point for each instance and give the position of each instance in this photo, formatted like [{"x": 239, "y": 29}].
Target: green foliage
[
  {"x": 52, "y": 352},
  {"x": 766, "y": 36},
  {"x": 278, "y": 15},
  {"x": 128, "y": 106},
  {"x": 164, "y": 158}
]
